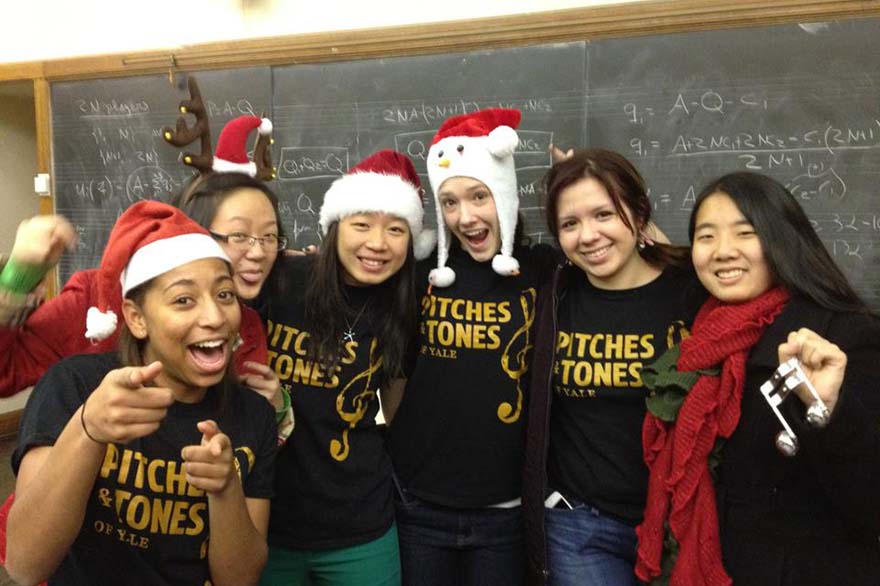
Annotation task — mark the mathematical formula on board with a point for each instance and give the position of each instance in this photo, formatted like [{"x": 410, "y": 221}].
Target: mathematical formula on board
[{"x": 704, "y": 128}]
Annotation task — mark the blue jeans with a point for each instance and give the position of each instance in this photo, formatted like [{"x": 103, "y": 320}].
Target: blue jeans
[
  {"x": 441, "y": 546},
  {"x": 587, "y": 548}
]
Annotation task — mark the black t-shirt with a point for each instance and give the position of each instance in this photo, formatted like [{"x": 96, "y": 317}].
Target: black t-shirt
[
  {"x": 144, "y": 523},
  {"x": 333, "y": 478},
  {"x": 604, "y": 339},
  {"x": 457, "y": 438}
]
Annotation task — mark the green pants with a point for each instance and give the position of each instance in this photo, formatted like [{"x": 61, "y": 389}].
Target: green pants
[{"x": 376, "y": 563}]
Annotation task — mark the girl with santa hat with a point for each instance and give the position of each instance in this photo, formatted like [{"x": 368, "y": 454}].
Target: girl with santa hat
[
  {"x": 457, "y": 438},
  {"x": 149, "y": 465},
  {"x": 336, "y": 336}
]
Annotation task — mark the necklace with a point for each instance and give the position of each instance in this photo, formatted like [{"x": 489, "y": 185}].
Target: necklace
[{"x": 348, "y": 336}]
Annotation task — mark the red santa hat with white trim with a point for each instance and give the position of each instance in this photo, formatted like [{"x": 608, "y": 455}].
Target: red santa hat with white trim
[
  {"x": 479, "y": 145},
  {"x": 386, "y": 181},
  {"x": 150, "y": 238},
  {"x": 231, "y": 155}
]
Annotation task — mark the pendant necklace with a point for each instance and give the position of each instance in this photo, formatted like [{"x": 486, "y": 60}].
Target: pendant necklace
[{"x": 348, "y": 336}]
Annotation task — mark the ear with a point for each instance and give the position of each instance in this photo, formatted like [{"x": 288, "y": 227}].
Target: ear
[{"x": 134, "y": 319}]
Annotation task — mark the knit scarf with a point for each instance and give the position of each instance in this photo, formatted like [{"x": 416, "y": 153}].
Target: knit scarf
[{"x": 681, "y": 496}]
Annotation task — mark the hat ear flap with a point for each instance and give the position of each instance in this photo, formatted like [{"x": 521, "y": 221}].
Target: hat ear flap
[{"x": 503, "y": 140}]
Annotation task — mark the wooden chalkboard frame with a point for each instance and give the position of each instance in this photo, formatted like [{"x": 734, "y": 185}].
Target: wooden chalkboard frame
[{"x": 589, "y": 23}]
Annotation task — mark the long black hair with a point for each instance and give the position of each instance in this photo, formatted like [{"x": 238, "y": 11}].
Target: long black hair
[
  {"x": 204, "y": 195},
  {"x": 625, "y": 187},
  {"x": 393, "y": 309},
  {"x": 796, "y": 257}
]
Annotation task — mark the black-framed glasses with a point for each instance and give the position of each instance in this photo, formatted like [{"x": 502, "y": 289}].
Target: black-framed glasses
[{"x": 244, "y": 241}]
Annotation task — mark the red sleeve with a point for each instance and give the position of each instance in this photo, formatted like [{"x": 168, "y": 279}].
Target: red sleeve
[
  {"x": 253, "y": 336},
  {"x": 53, "y": 331}
]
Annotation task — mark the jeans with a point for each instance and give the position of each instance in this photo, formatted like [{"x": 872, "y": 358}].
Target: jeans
[
  {"x": 587, "y": 548},
  {"x": 442, "y": 546}
]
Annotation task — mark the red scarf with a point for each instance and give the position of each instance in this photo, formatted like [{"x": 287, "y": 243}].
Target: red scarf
[{"x": 680, "y": 490}]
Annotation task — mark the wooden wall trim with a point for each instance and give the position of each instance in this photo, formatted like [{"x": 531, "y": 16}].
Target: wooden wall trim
[
  {"x": 617, "y": 20},
  {"x": 9, "y": 423},
  {"x": 43, "y": 135}
]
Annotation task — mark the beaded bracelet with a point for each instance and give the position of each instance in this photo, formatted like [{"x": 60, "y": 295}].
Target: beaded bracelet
[{"x": 20, "y": 277}]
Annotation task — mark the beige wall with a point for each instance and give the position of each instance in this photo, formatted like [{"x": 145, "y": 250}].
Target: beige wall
[
  {"x": 18, "y": 163},
  {"x": 99, "y": 27},
  {"x": 18, "y": 160}
]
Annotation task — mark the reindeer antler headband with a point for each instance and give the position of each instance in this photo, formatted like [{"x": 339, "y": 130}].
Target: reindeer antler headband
[{"x": 231, "y": 153}]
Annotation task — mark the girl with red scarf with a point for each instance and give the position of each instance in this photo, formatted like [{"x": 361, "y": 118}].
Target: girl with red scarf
[{"x": 721, "y": 497}]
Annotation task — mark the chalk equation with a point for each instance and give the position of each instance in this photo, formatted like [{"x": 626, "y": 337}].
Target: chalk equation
[
  {"x": 434, "y": 114},
  {"x": 145, "y": 182},
  {"x": 231, "y": 109},
  {"x": 299, "y": 163}
]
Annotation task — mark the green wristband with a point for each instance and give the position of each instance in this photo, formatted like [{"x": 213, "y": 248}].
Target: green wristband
[
  {"x": 21, "y": 278},
  {"x": 279, "y": 414}
]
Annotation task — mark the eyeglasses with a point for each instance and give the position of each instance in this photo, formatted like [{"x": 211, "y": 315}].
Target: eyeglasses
[{"x": 244, "y": 241}]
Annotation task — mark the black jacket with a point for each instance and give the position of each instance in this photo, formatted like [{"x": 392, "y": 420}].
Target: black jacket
[
  {"x": 537, "y": 430},
  {"x": 813, "y": 519}
]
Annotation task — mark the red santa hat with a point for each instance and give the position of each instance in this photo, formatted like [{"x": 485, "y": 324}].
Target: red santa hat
[
  {"x": 480, "y": 146},
  {"x": 150, "y": 238},
  {"x": 231, "y": 153},
  {"x": 383, "y": 182}
]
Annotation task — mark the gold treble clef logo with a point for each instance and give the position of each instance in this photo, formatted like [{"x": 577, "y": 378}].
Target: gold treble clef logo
[
  {"x": 360, "y": 402},
  {"x": 506, "y": 411}
]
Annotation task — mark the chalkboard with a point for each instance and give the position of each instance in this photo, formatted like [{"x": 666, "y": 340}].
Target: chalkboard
[
  {"x": 108, "y": 151},
  {"x": 328, "y": 117},
  {"x": 798, "y": 102}
]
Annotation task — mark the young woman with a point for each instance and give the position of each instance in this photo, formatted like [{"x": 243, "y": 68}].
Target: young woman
[
  {"x": 617, "y": 303},
  {"x": 149, "y": 464},
  {"x": 775, "y": 294},
  {"x": 457, "y": 438},
  {"x": 336, "y": 335},
  {"x": 241, "y": 212}
]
